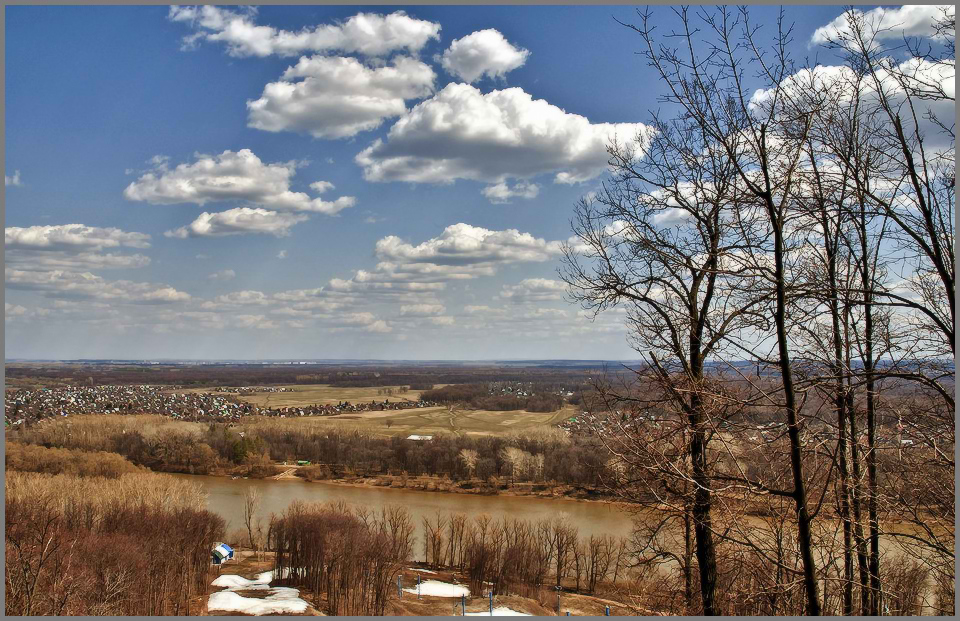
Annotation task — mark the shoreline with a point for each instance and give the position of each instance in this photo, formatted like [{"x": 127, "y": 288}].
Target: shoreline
[{"x": 430, "y": 484}]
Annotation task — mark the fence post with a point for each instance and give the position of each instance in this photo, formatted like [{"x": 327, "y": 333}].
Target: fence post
[
  {"x": 399, "y": 589},
  {"x": 491, "y": 602},
  {"x": 606, "y": 611},
  {"x": 418, "y": 586},
  {"x": 463, "y": 605}
]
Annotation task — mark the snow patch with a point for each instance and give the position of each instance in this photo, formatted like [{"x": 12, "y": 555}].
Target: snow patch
[
  {"x": 282, "y": 600},
  {"x": 422, "y": 571},
  {"x": 499, "y": 611},
  {"x": 231, "y": 581},
  {"x": 440, "y": 589},
  {"x": 268, "y": 576}
]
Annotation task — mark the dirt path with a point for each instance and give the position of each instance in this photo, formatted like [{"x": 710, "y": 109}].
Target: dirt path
[{"x": 290, "y": 473}]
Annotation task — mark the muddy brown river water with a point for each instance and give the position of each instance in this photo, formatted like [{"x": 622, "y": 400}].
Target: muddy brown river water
[{"x": 225, "y": 497}]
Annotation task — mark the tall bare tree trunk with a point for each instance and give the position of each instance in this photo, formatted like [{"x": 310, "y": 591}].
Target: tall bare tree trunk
[
  {"x": 868, "y": 369},
  {"x": 687, "y": 562},
  {"x": 804, "y": 534},
  {"x": 702, "y": 528}
]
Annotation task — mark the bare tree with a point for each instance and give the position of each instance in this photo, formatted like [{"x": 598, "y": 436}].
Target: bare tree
[
  {"x": 727, "y": 171},
  {"x": 901, "y": 163},
  {"x": 469, "y": 459},
  {"x": 660, "y": 239},
  {"x": 251, "y": 505}
]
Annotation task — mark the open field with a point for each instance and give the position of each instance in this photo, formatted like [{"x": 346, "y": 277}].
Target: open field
[
  {"x": 428, "y": 421},
  {"x": 423, "y": 421},
  {"x": 302, "y": 395}
]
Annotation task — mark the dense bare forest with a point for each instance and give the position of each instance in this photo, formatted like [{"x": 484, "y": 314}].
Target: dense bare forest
[
  {"x": 805, "y": 223},
  {"x": 129, "y": 544}
]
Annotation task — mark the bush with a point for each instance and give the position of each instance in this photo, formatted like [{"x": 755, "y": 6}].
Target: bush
[{"x": 313, "y": 473}]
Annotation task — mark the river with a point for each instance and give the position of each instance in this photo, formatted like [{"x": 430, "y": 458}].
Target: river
[{"x": 225, "y": 497}]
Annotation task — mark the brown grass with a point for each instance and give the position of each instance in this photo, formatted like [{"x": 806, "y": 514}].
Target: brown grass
[
  {"x": 429, "y": 421},
  {"x": 321, "y": 394}
]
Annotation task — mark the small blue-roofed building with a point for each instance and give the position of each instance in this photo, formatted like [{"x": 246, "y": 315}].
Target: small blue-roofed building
[{"x": 221, "y": 553}]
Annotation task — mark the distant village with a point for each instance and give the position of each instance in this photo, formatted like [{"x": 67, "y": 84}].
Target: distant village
[{"x": 24, "y": 407}]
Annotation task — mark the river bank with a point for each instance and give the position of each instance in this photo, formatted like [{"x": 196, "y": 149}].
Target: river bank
[{"x": 431, "y": 483}]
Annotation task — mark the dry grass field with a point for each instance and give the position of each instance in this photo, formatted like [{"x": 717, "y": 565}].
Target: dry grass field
[
  {"x": 321, "y": 394},
  {"x": 324, "y": 394},
  {"x": 422, "y": 421},
  {"x": 427, "y": 421}
]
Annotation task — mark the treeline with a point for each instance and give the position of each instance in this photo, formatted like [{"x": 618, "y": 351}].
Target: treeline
[
  {"x": 577, "y": 461},
  {"x": 348, "y": 557},
  {"x": 417, "y": 377},
  {"x": 138, "y": 544},
  {"x": 547, "y": 456},
  {"x": 33, "y": 458},
  {"x": 479, "y": 397}
]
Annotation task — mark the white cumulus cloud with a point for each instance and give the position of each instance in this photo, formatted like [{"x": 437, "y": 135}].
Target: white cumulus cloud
[
  {"x": 336, "y": 97},
  {"x": 890, "y": 23},
  {"x": 72, "y": 247},
  {"x": 66, "y": 285},
  {"x": 239, "y": 221},
  {"x": 239, "y": 298},
  {"x": 482, "y": 53},
  {"x": 842, "y": 85},
  {"x": 533, "y": 290},
  {"x": 13, "y": 310},
  {"x": 369, "y": 34},
  {"x": 230, "y": 176},
  {"x": 462, "y": 244},
  {"x": 461, "y": 133},
  {"x": 14, "y": 180},
  {"x": 502, "y": 192},
  {"x": 71, "y": 236},
  {"x": 460, "y": 252},
  {"x": 422, "y": 310},
  {"x": 378, "y": 326}
]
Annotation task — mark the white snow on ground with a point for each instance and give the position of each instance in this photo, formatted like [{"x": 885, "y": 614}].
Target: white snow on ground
[
  {"x": 267, "y": 576},
  {"x": 231, "y": 581},
  {"x": 422, "y": 571},
  {"x": 440, "y": 589},
  {"x": 499, "y": 611},
  {"x": 282, "y": 600}
]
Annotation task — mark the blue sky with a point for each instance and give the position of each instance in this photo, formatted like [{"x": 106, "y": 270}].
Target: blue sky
[{"x": 377, "y": 182}]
